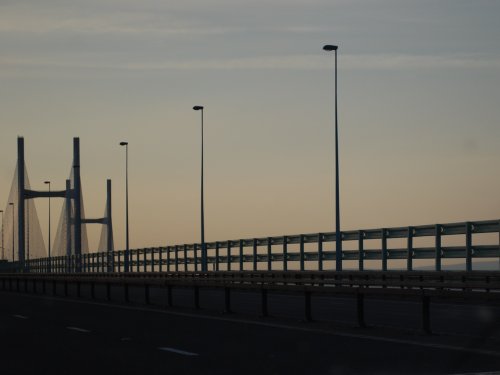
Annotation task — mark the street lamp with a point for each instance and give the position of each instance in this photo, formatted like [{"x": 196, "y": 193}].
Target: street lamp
[
  {"x": 338, "y": 236},
  {"x": 3, "y": 250},
  {"x": 204, "y": 267},
  {"x": 13, "y": 233},
  {"x": 127, "y": 249},
  {"x": 49, "y": 265}
]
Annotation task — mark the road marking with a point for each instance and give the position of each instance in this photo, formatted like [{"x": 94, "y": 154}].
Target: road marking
[
  {"x": 78, "y": 329},
  {"x": 458, "y": 348},
  {"x": 481, "y": 373},
  {"x": 20, "y": 316},
  {"x": 173, "y": 350}
]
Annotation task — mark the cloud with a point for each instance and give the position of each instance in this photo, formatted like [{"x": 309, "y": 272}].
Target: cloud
[{"x": 296, "y": 62}]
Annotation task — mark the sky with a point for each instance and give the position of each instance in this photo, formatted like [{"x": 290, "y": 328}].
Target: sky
[{"x": 419, "y": 132}]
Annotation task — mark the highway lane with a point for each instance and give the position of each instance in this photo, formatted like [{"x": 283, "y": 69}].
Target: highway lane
[{"x": 54, "y": 335}]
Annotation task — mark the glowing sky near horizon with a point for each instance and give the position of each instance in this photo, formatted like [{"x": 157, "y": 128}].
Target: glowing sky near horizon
[{"x": 419, "y": 94}]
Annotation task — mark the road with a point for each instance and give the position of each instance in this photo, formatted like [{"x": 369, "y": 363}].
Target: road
[{"x": 54, "y": 335}]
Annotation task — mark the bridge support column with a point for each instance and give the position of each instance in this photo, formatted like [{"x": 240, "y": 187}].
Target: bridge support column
[
  {"x": 109, "y": 227},
  {"x": 20, "y": 202},
  {"x": 77, "y": 196},
  {"x": 69, "y": 223}
]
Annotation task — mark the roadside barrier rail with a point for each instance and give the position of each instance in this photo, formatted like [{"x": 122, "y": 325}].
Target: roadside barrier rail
[
  {"x": 464, "y": 287},
  {"x": 299, "y": 252}
]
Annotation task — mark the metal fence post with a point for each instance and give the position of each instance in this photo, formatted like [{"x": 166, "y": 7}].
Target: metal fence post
[
  {"x": 168, "y": 258},
  {"x": 176, "y": 257},
  {"x": 285, "y": 253},
  {"x": 196, "y": 297},
  {"x": 241, "y": 255},
  {"x": 254, "y": 254},
  {"x": 384, "y": 250},
  {"x": 269, "y": 254},
  {"x": 152, "y": 259},
  {"x": 426, "y": 321},
  {"x": 195, "y": 249},
  {"x": 217, "y": 245},
  {"x": 227, "y": 300},
  {"x": 468, "y": 246},
  {"x": 437, "y": 256},
  {"x": 361, "y": 260},
  {"x": 409, "y": 255},
  {"x": 263, "y": 300},
  {"x": 302, "y": 256},
  {"x": 307, "y": 305},
  {"x": 320, "y": 251},
  {"x": 160, "y": 259}
]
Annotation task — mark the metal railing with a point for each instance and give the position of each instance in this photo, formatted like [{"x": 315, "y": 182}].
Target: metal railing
[
  {"x": 466, "y": 287},
  {"x": 276, "y": 253}
]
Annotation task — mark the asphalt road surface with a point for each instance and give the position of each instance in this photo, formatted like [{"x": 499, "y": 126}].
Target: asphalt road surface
[{"x": 55, "y": 335}]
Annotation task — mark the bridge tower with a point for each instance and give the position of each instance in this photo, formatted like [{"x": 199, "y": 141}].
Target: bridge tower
[
  {"x": 20, "y": 201},
  {"x": 73, "y": 213}
]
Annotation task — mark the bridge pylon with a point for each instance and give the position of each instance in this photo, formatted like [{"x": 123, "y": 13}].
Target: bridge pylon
[{"x": 72, "y": 213}]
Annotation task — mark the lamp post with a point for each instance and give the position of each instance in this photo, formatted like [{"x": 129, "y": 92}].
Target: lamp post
[
  {"x": 127, "y": 249},
  {"x": 13, "y": 232},
  {"x": 50, "y": 261},
  {"x": 338, "y": 235},
  {"x": 3, "y": 250},
  {"x": 204, "y": 267}
]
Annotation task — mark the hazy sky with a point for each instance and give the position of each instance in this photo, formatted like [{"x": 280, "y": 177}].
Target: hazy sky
[{"x": 419, "y": 110}]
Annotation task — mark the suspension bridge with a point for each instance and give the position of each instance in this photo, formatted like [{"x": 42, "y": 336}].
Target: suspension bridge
[{"x": 292, "y": 276}]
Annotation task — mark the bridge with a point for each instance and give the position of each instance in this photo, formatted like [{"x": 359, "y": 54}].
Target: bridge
[{"x": 287, "y": 285}]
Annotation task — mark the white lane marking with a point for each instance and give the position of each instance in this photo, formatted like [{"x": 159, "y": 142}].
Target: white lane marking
[
  {"x": 481, "y": 373},
  {"x": 78, "y": 329},
  {"x": 173, "y": 350},
  {"x": 20, "y": 316},
  {"x": 281, "y": 326}
]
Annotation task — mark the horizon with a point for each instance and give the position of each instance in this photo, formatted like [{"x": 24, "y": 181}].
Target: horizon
[{"x": 418, "y": 119}]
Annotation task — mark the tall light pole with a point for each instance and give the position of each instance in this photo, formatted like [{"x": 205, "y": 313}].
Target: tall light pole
[
  {"x": 3, "y": 250},
  {"x": 127, "y": 249},
  {"x": 49, "y": 265},
  {"x": 13, "y": 232},
  {"x": 204, "y": 267},
  {"x": 338, "y": 235}
]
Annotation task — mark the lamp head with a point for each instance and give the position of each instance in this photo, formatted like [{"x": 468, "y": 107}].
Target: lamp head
[
  {"x": 198, "y": 107},
  {"x": 330, "y": 47},
  {"x": 123, "y": 143},
  {"x": 47, "y": 182},
  {"x": 11, "y": 204}
]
